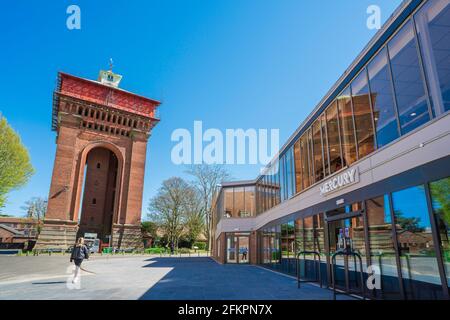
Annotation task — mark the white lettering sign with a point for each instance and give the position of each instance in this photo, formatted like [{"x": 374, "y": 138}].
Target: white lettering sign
[{"x": 345, "y": 179}]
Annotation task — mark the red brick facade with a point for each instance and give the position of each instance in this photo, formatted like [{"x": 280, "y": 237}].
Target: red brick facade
[{"x": 107, "y": 129}]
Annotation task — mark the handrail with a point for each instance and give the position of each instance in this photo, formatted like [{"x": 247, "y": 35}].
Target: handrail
[
  {"x": 333, "y": 263},
  {"x": 318, "y": 273}
]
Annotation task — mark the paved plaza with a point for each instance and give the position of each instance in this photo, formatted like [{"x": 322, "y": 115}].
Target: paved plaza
[{"x": 148, "y": 278}]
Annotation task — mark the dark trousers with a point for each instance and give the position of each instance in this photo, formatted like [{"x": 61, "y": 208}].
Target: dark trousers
[{"x": 78, "y": 262}]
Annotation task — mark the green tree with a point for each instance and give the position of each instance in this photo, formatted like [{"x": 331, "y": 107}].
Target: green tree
[
  {"x": 440, "y": 192},
  {"x": 149, "y": 227},
  {"x": 411, "y": 224},
  {"x": 15, "y": 165}
]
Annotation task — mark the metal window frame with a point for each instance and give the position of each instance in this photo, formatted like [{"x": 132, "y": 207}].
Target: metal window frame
[
  {"x": 375, "y": 142},
  {"x": 350, "y": 88},
  {"x": 422, "y": 68},
  {"x": 397, "y": 251}
]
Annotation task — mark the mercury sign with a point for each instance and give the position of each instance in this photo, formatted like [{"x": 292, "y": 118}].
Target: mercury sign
[{"x": 342, "y": 180}]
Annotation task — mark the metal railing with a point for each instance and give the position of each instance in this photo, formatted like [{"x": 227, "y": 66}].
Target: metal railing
[
  {"x": 317, "y": 264},
  {"x": 355, "y": 256}
]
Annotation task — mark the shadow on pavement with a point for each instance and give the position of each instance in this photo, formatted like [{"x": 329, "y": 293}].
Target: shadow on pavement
[{"x": 204, "y": 279}]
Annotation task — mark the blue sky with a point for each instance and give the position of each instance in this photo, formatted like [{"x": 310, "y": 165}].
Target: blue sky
[{"x": 229, "y": 63}]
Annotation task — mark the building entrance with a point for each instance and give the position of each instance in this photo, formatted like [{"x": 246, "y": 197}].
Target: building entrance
[
  {"x": 347, "y": 251},
  {"x": 238, "y": 248}
]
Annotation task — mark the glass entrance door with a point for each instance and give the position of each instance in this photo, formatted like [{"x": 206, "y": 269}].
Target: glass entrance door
[
  {"x": 238, "y": 248},
  {"x": 347, "y": 234},
  {"x": 231, "y": 249}
]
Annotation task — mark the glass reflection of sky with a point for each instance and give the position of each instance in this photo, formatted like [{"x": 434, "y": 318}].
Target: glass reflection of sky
[{"x": 412, "y": 204}]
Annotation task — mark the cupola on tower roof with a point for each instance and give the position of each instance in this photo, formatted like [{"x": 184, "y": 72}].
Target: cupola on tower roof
[{"x": 109, "y": 78}]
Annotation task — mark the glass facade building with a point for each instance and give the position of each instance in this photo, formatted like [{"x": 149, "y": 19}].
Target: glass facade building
[{"x": 365, "y": 134}]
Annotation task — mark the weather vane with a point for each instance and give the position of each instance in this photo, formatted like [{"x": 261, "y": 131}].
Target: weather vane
[{"x": 111, "y": 64}]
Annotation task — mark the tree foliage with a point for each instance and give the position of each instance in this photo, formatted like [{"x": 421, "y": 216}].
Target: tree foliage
[
  {"x": 150, "y": 227},
  {"x": 440, "y": 192},
  {"x": 15, "y": 164}
]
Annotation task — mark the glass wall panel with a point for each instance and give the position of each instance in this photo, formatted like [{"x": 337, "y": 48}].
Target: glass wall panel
[
  {"x": 270, "y": 186},
  {"x": 231, "y": 248},
  {"x": 304, "y": 160},
  {"x": 277, "y": 181},
  {"x": 299, "y": 235},
  {"x": 408, "y": 81},
  {"x": 417, "y": 254},
  {"x": 284, "y": 245},
  {"x": 310, "y": 157},
  {"x": 292, "y": 181},
  {"x": 292, "y": 267},
  {"x": 298, "y": 167},
  {"x": 363, "y": 115},
  {"x": 265, "y": 194},
  {"x": 228, "y": 202},
  {"x": 382, "y": 247},
  {"x": 347, "y": 128},
  {"x": 282, "y": 180},
  {"x": 265, "y": 246},
  {"x": 288, "y": 173},
  {"x": 276, "y": 248},
  {"x": 239, "y": 206},
  {"x": 323, "y": 125},
  {"x": 317, "y": 149},
  {"x": 382, "y": 99},
  {"x": 333, "y": 138},
  {"x": 440, "y": 194},
  {"x": 250, "y": 200},
  {"x": 309, "y": 233},
  {"x": 433, "y": 28}
]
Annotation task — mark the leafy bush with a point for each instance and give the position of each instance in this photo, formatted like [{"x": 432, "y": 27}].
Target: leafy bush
[
  {"x": 200, "y": 245},
  {"x": 184, "y": 250},
  {"x": 154, "y": 250}
]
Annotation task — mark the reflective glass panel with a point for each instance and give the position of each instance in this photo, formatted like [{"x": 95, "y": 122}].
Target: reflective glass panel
[
  {"x": 382, "y": 248},
  {"x": 440, "y": 194},
  {"x": 382, "y": 100},
  {"x": 433, "y": 27},
  {"x": 347, "y": 128},
  {"x": 228, "y": 202},
  {"x": 333, "y": 138},
  {"x": 239, "y": 207},
  {"x": 298, "y": 167},
  {"x": 317, "y": 149},
  {"x": 323, "y": 124},
  {"x": 250, "y": 200},
  {"x": 408, "y": 81},
  {"x": 304, "y": 160},
  {"x": 363, "y": 115},
  {"x": 415, "y": 242}
]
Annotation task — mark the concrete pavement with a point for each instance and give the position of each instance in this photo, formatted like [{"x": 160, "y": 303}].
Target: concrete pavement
[{"x": 144, "y": 277}]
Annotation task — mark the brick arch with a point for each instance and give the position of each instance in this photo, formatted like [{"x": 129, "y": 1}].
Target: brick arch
[{"x": 82, "y": 158}]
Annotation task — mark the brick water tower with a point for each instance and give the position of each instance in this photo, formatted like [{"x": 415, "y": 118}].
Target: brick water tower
[{"x": 98, "y": 174}]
